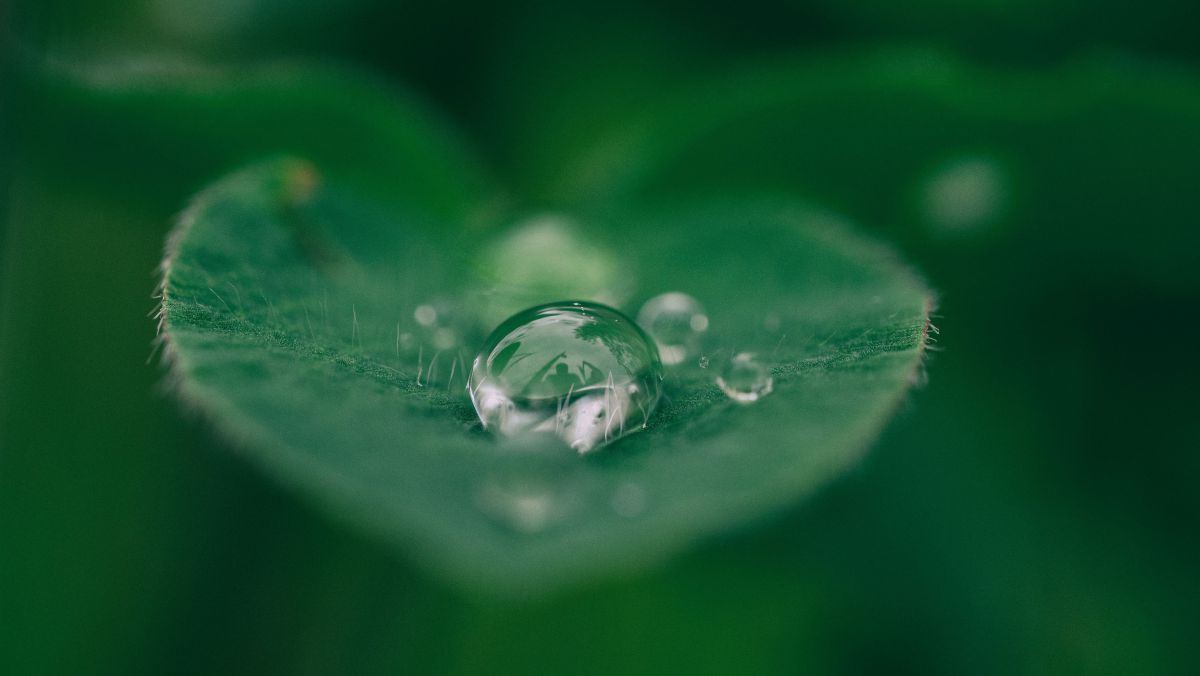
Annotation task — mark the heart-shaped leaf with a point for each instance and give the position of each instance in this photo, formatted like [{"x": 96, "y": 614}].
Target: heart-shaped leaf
[{"x": 298, "y": 316}]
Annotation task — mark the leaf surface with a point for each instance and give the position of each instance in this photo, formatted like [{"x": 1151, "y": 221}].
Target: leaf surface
[{"x": 288, "y": 311}]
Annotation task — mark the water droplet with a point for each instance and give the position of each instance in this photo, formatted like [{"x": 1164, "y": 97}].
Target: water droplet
[
  {"x": 531, "y": 486},
  {"x": 426, "y": 315},
  {"x": 771, "y": 323},
  {"x": 444, "y": 325},
  {"x": 444, "y": 338},
  {"x": 526, "y": 508},
  {"x": 404, "y": 342},
  {"x": 581, "y": 371},
  {"x": 676, "y": 321},
  {"x": 433, "y": 348},
  {"x": 629, "y": 500},
  {"x": 703, "y": 361},
  {"x": 964, "y": 194},
  {"x": 745, "y": 379}
]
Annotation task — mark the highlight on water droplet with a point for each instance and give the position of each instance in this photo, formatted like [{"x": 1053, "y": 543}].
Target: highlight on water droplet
[
  {"x": 580, "y": 371},
  {"x": 676, "y": 321},
  {"x": 964, "y": 194},
  {"x": 745, "y": 379}
]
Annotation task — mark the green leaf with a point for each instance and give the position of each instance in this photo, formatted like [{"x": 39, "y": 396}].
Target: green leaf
[
  {"x": 285, "y": 298},
  {"x": 1048, "y": 167},
  {"x": 157, "y": 127}
]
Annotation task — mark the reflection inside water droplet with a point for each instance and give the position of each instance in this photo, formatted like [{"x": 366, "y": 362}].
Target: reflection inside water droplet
[
  {"x": 675, "y": 321},
  {"x": 581, "y": 371},
  {"x": 745, "y": 380}
]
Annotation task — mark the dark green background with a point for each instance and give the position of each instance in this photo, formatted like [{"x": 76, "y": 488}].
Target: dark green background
[{"x": 1032, "y": 510}]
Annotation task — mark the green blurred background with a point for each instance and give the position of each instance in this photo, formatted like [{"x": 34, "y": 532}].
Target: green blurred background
[{"x": 1033, "y": 509}]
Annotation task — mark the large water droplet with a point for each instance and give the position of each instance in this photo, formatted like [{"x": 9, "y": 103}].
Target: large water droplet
[
  {"x": 676, "y": 321},
  {"x": 581, "y": 371},
  {"x": 745, "y": 379}
]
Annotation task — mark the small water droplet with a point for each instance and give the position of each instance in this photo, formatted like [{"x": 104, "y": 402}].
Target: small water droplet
[
  {"x": 745, "y": 379},
  {"x": 432, "y": 347},
  {"x": 583, "y": 372},
  {"x": 629, "y": 500},
  {"x": 965, "y": 194},
  {"x": 703, "y": 361},
  {"x": 426, "y": 315},
  {"x": 676, "y": 321},
  {"x": 444, "y": 338},
  {"x": 443, "y": 322},
  {"x": 771, "y": 323},
  {"x": 524, "y": 508}
]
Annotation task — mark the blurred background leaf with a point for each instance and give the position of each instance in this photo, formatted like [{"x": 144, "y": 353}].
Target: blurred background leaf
[{"x": 1033, "y": 511}]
